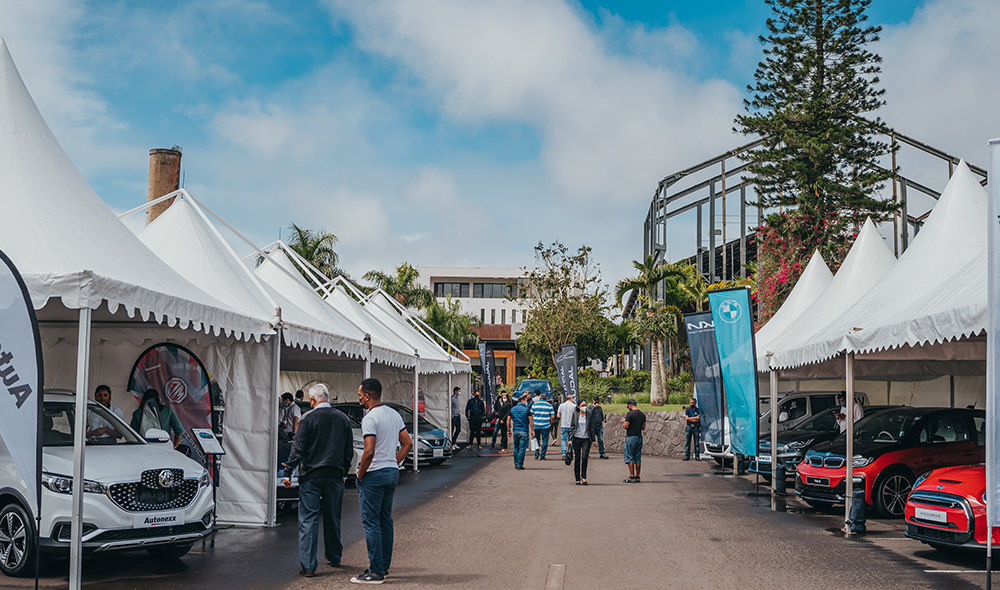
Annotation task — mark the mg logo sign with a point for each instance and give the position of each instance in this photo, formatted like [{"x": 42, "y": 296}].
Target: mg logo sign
[
  {"x": 176, "y": 390},
  {"x": 730, "y": 311}
]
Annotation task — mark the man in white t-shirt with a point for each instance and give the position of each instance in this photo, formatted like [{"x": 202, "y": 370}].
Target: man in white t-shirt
[
  {"x": 841, "y": 416},
  {"x": 386, "y": 444},
  {"x": 565, "y": 413}
]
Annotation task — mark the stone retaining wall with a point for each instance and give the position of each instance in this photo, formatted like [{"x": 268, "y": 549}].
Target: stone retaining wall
[{"x": 664, "y": 434}]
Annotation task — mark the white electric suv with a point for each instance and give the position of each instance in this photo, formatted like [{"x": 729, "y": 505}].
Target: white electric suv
[{"x": 138, "y": 493}]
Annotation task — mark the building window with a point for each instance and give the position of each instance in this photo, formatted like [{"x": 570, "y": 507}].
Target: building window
[
  {"x": 503, "y": 316},
  {"x": 482, "y": 315},
  {"x": 493, "y": 290},
  {"x": 493, "y": 316},
  {"x": 453, "y": 289},
  {"x": 513, "y": 316}
]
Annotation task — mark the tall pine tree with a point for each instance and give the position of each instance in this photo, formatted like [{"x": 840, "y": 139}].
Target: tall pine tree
[{"x": 813, "y": 102}]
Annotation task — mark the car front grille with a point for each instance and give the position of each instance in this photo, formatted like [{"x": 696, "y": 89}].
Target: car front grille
[
  {"x": 924, "y": 533},
  {"x": 165, "y": 531},
  {"x": 831, "y": 462},
  {"x": 137, "y": 497},
  {"x": 436, "y": 443}
]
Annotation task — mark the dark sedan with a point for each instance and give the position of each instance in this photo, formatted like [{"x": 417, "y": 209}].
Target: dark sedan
[{"x": 433, "y": 444}]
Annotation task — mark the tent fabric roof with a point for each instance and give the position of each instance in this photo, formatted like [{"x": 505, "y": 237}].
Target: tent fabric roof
[
  {"x": 187, "y": 240},
  {"x": 433, "y": 358},
  {"x": 380, "y": 333},
  {"x": 67, "y": 243},
  {"x": 867, "y": 262},
  {"x": 935, "y": 293},
  {"x": 813, "y": 282},
  {"x": 279, "y": 275}
]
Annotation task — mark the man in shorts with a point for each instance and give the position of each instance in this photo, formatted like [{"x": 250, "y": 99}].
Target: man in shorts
[{"x": 634, "y": 423}]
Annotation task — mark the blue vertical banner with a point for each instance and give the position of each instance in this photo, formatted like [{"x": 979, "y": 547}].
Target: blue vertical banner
[
  {"x": 733, "y": 323},
  {"x": 705, "y": 369}
]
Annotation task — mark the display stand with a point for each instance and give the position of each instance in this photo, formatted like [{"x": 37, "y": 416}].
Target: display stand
[{"x": 212, "y": 448}]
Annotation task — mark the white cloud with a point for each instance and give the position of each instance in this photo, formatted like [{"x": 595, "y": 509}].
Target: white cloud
[{"x": 610, "y": 125}]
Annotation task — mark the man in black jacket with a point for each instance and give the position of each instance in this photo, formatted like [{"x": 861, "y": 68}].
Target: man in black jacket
[
  {"x": 475, "y": 411},
  {"x": 322, "y": 450}
]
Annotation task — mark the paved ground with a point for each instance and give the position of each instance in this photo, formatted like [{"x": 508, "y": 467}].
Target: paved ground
[{"x": 480, "y": 524}]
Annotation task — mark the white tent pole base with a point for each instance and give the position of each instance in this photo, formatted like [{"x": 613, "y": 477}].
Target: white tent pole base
[{"x": 79, "y": 428}]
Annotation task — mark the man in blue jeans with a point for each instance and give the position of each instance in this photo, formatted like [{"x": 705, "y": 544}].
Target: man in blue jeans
[
  {"x": 378, "y": 475},
  {"x": 518, "y": 424},
  {"x": 322, "y": 449}
]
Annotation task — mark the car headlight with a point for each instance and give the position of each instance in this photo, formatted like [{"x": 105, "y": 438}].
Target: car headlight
[
  {"x": 920, "y": 479},
  {"x": 204, "y": 480},
  {"x": 359, "y": 444},
  {"x": 799, "y": 444},
  {"x": 62, "y": 484},
  {"x": 423, "y": 441},
  {"x": 860, "y": 461}
]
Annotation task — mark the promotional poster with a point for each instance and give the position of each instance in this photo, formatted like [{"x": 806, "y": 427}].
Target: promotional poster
[
  {"x": 733, "y": 324},
  {"x": 707, "y": 375},
  {"x": 566, "y": 367}
]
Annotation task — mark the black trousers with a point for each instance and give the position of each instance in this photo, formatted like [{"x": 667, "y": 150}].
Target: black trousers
[
  {"x": 456, "y": 427},
  {"x": 581, "y": 456},
  {"x": 691, "y": 439},
  {"x": 476, "y": 430}
]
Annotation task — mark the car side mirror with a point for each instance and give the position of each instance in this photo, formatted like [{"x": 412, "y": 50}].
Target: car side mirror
[
  {"x": 156, "y": 435},
  {"x": 783, "y": 417}
]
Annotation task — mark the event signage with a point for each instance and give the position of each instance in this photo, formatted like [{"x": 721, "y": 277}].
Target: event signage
[
  {"x": 993, "y": 351},
  {"x": 21, "y": 375},
  {"x": 566, "y": 368},
  {"x": 184, "y": 385},
  {"x": 733, "y": 324},
  {"x": 707, "y": 381},
  {"x": 488, "y": 363}
]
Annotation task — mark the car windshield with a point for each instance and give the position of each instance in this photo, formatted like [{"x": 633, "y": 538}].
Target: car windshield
[
  {"x": 103, "y": 426},
  {"x": 532, "y": 385},
  {"x": 886, "y": 427},
  {"x": 824, "y": 422},
  {"x": 407, "y": 415}
]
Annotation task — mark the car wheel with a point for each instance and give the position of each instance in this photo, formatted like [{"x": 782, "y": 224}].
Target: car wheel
[
  {"x": 890, "y": 493},
  {"x": 17, "y": 542},
  {"x": 819, "y": 504},
  {"x": 169, "y": 552}
]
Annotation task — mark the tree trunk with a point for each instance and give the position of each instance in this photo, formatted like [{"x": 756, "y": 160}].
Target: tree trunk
[{"x": 657, "y": 397}]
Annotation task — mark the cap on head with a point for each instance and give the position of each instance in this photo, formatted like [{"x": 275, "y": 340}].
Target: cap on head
[
  {"x": 842, "y": 394},
  {"x": 631, "y": 402}
]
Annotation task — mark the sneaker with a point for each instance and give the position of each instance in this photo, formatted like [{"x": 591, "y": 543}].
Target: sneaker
[
  {"x": 697, "y": 458},
  {"x": 368, "y": 578},
  {"x": 637, "y": 480},
  {"x": 628, "y": 480},
  {"x": 605, "y": 457},
  {"x": 686, "y": 459}
]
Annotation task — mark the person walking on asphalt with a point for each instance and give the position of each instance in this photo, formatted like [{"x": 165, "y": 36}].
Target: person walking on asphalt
[
  {"x": 518, "y": 422},
  {"x": 322, "y": 449},
  {"x": 565, "y": 413},
  {"x": 583, "y": 424},
  {"x": 501, "y": 409},
  {"x": 692, "y": 431},
  {"x": 475, "y": 412},
  {"x": 456, "y": 416},
  {"x": 541, "y": 422},
  {"x": 387, "y": 443},
  {"x": 599, "y": 429},
  {"x": 634, "y": 423}
]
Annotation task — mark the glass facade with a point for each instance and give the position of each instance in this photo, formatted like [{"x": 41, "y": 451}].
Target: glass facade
[{"x": 453, "y": 289}]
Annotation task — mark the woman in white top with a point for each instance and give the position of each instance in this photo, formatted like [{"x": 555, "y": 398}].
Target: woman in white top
[{"x": 581, "y": 433}]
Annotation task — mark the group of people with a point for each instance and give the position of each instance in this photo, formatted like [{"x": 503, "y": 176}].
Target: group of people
[{"x": 322, "y": 450}]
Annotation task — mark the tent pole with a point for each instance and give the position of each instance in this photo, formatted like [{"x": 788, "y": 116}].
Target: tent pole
[
  {"x": 272, "y": 491},
  {"x": 368, "y": 359},
  {"x": 416, "y": 406},
  {"x": 774, "y": 427},
  {"x": 448, "y": 428},
  {"x": 849, "y": 460},
  {"x": 79, "y": 428}
]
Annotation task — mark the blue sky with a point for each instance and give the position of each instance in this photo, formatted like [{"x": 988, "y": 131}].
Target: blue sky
[{"x": 448, "y": 133}]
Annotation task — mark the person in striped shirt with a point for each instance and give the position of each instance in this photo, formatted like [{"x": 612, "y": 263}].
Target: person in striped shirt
[{"x": 541, "y": 422}]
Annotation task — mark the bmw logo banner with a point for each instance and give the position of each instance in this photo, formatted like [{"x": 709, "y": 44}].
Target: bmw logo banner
[
  {"x": 21, "y": 374},
  {"x": 733, "y": 323}
]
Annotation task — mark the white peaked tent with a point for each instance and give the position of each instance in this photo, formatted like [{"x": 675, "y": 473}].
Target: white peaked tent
[
  {"x": 814, "y": 280},
  {"x": 934, "y": 297},
  {"x": 338, "y": 297},
  {"x": 868, "y": 261},
  {"x": 103, "y": 296}
]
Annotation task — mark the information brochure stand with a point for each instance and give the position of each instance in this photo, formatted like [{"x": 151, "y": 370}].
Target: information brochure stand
[{"x": 211, "y": 446}]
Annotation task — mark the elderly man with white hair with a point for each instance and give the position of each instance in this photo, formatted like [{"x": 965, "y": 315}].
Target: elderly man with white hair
[{"x": 322, "y": 450}]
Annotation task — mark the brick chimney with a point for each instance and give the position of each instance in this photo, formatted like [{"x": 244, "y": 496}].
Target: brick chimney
[{"x": 164, "y": 178}]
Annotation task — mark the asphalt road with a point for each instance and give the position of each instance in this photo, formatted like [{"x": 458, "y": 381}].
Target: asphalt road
[{"x": 477, "y": 523}]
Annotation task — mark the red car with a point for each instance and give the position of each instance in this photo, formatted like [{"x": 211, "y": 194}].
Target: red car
[
  {"x": 947, "y": 509},
  {"x": 891, "y": 447}
]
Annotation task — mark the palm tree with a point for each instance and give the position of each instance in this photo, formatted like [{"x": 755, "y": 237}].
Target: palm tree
[
  {"x": 403, "y": 286},
  {"x": 651, "y": 319},
  {"x": 448, "y": 320},
  {"x": 316, "y": 247}
]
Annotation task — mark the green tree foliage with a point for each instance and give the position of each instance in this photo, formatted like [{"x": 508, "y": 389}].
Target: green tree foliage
[
  {"x": 565, "y": 304},
  {"x": 813, "y": 103},
  {"x": 316, "y": 247},
  {"x": 448, "y": 320},
  {"x": 403, "y": 286}
]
